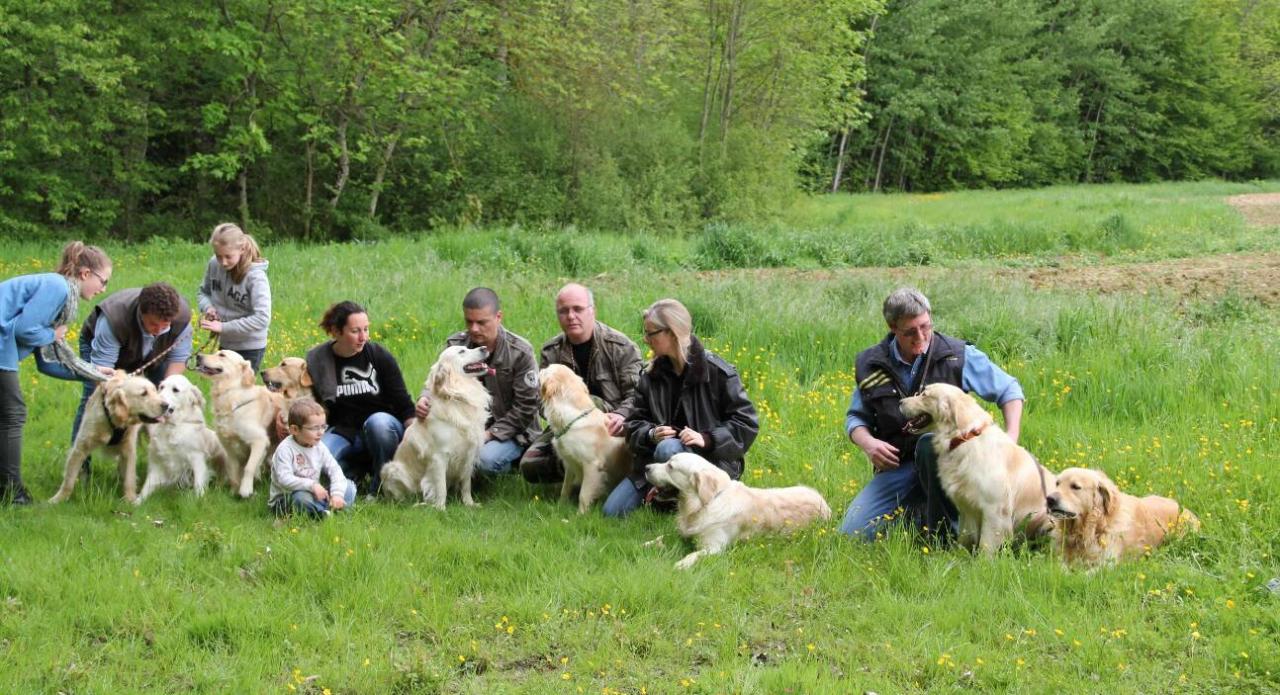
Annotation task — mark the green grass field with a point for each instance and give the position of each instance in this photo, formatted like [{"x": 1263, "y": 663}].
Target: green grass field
[{"x": 1168, "y": 395}]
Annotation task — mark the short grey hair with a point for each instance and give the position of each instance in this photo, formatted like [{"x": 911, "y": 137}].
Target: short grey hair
[{"x": 905, "y": 302}]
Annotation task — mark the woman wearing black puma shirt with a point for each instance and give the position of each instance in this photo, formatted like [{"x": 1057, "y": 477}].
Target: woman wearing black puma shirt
[{"x": 360, "y": 385}]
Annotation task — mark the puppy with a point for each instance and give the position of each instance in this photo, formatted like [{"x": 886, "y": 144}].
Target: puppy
[
  {"x": 715, "y": 510},
  {"x": 593, "y": 460},
  {"x": 115, "y": 412},
  {"x": 1098, "y": 524},
  {"x": 244, "y": 415},
  {"x": 441, "y": 450},
  {"x": 995, "y": 484},
  {"x": 181, "y": 446},
  {"x": 291, "y": 379}
]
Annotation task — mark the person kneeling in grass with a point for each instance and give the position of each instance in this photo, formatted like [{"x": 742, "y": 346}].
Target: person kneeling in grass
[{"x": 299, "y": 462}]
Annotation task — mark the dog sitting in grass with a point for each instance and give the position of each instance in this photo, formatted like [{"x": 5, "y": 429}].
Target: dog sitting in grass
[{"x": 594, "y": 461}]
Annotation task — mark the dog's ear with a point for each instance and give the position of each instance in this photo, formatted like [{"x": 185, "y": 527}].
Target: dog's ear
[
  {"x": 247, "y": 377},
  {"x": 305, "y": 379},
  {"x": 117, "y": 405},
  {"x": 197, "y": 397},
  {"x": 1107, "y": 493},
  {"x": 439, "y": 378},
  {"x": 706, "y": 484}
]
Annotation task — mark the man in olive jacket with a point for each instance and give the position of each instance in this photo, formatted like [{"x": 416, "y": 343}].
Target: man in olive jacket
[
  {"x": 607, "y": 360},
  {"x": 512, "y": 383}
]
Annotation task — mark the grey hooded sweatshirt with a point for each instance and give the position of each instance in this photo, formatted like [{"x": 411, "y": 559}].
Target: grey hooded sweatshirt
[{"x": 244, "y": 308}]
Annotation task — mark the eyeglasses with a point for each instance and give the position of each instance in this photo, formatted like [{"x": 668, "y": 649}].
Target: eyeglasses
[
  {"x": 315, "y": 428},
  {"x": 101, "y": 279},
  {"x": 915, "y": 331},
  {"x": 566, "y": 310},
  {"x": 650, "y": 335}
]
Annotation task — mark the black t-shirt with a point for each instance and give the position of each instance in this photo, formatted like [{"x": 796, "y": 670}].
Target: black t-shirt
[
  {"x": 582, "y": 365},
  {"x": 364, "y": 388}
]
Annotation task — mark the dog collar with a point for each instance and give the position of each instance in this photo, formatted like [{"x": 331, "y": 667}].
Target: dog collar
[
  {"x": 957, "y": 441},
  {"x": 563, "y": 432},
  {"x": 107, "y": 411}
]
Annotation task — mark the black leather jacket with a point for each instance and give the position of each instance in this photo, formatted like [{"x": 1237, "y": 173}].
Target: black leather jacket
[{"x": 713, "y": 402}]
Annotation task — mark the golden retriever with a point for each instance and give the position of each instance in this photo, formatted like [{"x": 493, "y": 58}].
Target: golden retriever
[
  {"x": 593, "y": 460},
  {"x": 291, "y": 379},
  {"x": 115, "y": 412},
  {"x": 181, "y": 446},
  {"x": 715, "y": 510},
  {"x": 440, "y": 451},
  {"x": 1096, "y": 523},
  {"x": 244, "y": 415},
  {"x": 996, "y": 485}
]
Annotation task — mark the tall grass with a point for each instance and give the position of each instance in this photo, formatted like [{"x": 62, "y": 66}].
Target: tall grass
[{"x": 522, "y": 595}]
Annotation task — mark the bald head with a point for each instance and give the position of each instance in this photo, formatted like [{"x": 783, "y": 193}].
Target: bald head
[{"x": 576, "y": 312}]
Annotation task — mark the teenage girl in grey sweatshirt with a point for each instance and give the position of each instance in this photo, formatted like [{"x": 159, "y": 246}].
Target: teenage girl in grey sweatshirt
[{"x": 235, "y": 297}]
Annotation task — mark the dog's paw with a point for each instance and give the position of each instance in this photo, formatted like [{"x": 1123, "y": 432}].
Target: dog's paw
[
  {"x": 655, "y": 543},
  {"x": 687, "y": 561}
]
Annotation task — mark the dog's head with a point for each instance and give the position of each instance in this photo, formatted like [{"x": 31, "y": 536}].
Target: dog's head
[
  {"x": 290, "y": 378},
  {"x": 132, "y": 399},
  {"x": 944, "y": 408},
  {"x": 1081, "y": 492},
  {"x": 180, "y": 395},
  {"x": 454, "y": 364},
  {"x": 558, "y": 381},
  {"x": 690, "y": 474},
  {"x": 226, "y": 365}
]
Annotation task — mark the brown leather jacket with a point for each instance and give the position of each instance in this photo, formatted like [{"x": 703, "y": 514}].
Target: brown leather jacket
[{"x": 613, "y": 368}]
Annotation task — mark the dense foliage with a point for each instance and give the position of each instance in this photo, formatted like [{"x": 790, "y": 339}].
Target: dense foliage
[{"x": 317, "y": 119}]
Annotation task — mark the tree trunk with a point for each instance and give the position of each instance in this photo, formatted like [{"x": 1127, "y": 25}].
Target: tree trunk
[
  {"x": 382, "y": 172},
  {"x": 884, "y": 145},
  {"x": 708, "y": 89},
  {"x": 242, "y": 181},
  {"x": 308, "y": 202},
  {"x": 835, "y": 180},
  {"x": 730, "y": 64},
  {"x": 1093, "y": 141}
]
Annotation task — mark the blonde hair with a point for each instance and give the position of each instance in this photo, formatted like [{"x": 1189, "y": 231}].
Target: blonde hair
[
  {"x": 77, "y": 255},
  {"x": 671, "y": 315},
  {"x": 230, "y": 235}
]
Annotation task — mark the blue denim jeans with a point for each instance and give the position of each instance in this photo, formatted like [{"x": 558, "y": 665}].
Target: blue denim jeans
[
  {"x": 373, "y": 446},
  {"x": 626, "y": 498},
  {"x": 498, "y": 456},
  {"x": 892, "y": 495},
  {"x": 303, "y": 502}
]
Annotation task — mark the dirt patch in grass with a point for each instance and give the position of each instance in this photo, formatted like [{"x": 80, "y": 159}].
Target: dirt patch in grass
[
  {"x": 1254, "y": 276},
  {"x": 1258, "y": 209}
]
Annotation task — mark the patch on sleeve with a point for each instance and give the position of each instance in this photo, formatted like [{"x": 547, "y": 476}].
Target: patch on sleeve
[
  {"x": 876, "y": 378},
  {"x": 531, "y": 379}
]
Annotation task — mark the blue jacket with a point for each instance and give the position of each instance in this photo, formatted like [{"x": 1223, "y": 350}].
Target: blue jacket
[{"x": 29, "y": 304}]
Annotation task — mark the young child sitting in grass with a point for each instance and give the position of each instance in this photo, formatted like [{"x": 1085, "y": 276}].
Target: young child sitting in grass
[{"x": 298, "y": 464}]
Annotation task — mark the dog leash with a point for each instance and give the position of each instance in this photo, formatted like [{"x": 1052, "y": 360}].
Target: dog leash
[
  {"x": 563, "y": 432},
  {"x": 213, "y": 340}
]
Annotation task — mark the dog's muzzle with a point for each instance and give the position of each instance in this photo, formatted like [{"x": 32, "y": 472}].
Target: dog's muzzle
[
  {"x": 917, "y": 424},
  {"x": 1056, "y": 511}
]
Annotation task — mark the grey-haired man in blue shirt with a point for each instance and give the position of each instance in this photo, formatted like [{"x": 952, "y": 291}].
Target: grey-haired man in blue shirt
[{"x": 910, "y": 357}]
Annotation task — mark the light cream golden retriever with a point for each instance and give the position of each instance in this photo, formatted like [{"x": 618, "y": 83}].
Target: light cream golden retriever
[
  {"x": 715, "y": 510},
  {"x": 290, "y": 379},
  {"x": 594, "y": 462},
  {"x": 1097, "y": 524},
  {"x": 996, "y": 485},
  {"x": 244, "y": 415},
  {"x": 440, "y": 452},
  {"x": 181, "y": 447},
  {"x": 113, "y": 415}
]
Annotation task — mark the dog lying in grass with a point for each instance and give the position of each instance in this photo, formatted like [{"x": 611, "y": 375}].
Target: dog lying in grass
[
  {"x": 715, "y": 510},
  {"x": 1097, "y": 524}
]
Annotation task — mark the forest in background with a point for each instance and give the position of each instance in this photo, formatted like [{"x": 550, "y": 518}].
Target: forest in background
[{"x": 326, "y": 120}]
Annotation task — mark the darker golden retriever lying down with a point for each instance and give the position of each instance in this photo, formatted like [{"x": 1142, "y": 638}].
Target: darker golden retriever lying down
[
  {"x": 716, "y": 510},
  {"x": 1096, "y": 523}
]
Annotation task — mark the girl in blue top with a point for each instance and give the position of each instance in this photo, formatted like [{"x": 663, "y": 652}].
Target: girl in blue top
[
  {"x": 34, "y": 313},
  {"x": 235, "y": 297}
]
